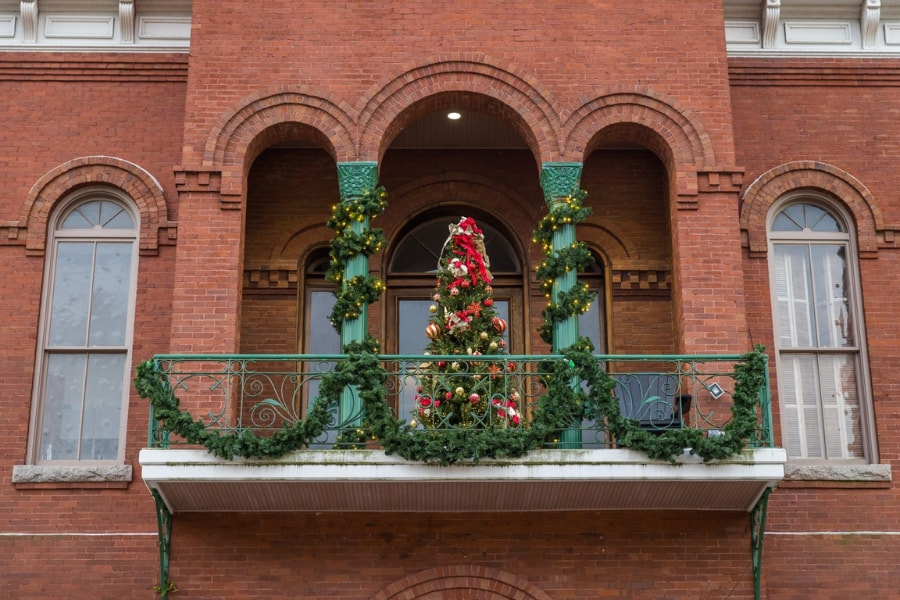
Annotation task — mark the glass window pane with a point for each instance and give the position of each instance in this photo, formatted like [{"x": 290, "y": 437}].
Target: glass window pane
[
  {"x": 590, "y": 324},
  {"x": 323, "y": 338},
  {"x": 63, "y": 393},
  {"x": 71, "y": 294},
  {"x": 102, "y": 407},
  {"x": 84, "y": 216},
  {"x": 793, "y": 292},
  {"x": 840, "y": 406},
  {"x": 109, "y": 298},
  {"x": 114, "y": 216},
  {"x": 832, "y": 296}
]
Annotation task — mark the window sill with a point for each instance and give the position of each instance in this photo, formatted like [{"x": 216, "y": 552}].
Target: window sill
[
  {"x": 822, "y": 475},
  {"x": 99, "y": 476}
]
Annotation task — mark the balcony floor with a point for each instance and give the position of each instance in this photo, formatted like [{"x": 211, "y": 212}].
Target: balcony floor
[{"x": 545, "y": 480}]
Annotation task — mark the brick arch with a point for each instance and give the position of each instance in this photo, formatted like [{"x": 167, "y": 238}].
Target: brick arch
[
  {"x": 388, "y": 106},
  {"x": 273, "y": 116},
  {"x": 809, "y": 175},
  {"x": 133, "y": 180},
  {"x": 663, "y": 127},
  {"x": 465, "y": 581}
]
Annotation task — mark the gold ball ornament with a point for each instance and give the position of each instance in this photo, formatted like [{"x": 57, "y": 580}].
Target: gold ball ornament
[
  {"x": 433, "y": 331},
  {"x": 493, "y": 345},
  {"x": 460, "y": 391},
  {"x": 483, "y": 335},
  {"x": 433, "y": 308}
]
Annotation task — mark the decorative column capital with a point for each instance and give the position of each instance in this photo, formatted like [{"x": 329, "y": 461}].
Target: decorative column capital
[
  {"x": 559, "y": 180},
  {"x": 356, "y": 178}
]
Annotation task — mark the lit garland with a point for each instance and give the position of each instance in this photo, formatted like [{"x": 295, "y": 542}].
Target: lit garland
[
  {"x": 567, "y": 212},
  {"x": 562, "y": 405},
  {"x": 360, "y": 290}
]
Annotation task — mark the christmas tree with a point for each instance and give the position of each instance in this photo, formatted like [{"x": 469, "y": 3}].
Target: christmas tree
[{"x": 466, "y": 391}]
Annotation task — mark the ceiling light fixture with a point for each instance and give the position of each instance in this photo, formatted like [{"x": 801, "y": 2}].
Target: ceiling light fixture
[{"x": 454, "y": 116}]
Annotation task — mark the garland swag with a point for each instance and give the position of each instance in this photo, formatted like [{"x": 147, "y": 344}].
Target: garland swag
[{"x": 562, "y": 405}]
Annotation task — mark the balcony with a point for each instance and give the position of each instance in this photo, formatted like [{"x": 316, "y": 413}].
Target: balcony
[{"x": 530, "y": 433}]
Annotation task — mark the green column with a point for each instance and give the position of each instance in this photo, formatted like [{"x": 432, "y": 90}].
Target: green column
[
  {"x": 558, "y": 181},
  {"x": 355, "y": 179}
]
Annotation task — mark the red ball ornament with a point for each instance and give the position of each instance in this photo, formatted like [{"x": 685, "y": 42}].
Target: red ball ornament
[
  {"x": 432, "y": 331},
  {"x": 488, "y": 302},
  {"x": 464, "y": 284},
  {"x": 498, "y": 324}
]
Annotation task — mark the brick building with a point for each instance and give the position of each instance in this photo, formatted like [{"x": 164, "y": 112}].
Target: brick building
[{"x": 169, "y": 171}]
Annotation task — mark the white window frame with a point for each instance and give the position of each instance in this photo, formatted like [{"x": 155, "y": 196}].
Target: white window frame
[
  {"x": 44, "y": 349},
  {"x": 847, "y": 238}
]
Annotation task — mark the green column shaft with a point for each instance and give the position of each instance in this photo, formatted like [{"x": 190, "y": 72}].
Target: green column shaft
[
  {"x": 354, "y": 180},
  {"x": 559, "y": 180},
  {"x": 565, "y": 333},
  {"x": 354, "y": 330}
]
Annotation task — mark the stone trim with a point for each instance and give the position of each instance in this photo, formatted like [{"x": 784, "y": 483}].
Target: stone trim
[
  {"x": 855, "y": 473},
  {"x": 71, "y": 474}
]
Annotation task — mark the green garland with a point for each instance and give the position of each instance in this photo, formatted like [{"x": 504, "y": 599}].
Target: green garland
[
  {"x": 562, "y": 405},
  {"x": 361, "y": 290},
  {"x": 567, "y": 212}
]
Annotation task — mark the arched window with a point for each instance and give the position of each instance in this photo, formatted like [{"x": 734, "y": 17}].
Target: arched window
[
  {"x": 84, "y": 348},
  {"x": 822, "y": 376}
]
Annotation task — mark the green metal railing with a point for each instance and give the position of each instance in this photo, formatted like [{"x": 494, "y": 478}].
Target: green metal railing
[{"x": 266, "y": 393}]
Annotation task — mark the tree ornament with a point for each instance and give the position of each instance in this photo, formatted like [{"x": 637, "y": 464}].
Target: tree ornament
[
  {"x": 502, "y": 343},
  {"x": 460, "y": 391},
  {"x": 493, "y": 345},
  {"x": 484, "y": 335},
  {"x": 454, "y": 291},
  {"x": 433, "y": 331},
  {"x": 464, "y": 284},
  {"x": 488, "y": 302},
  {"x": 474, "y": 398},
  {"x": 436, "y": 297},
  {"x": 433, "y": 308},
  {"x": 498, "y": 324}
]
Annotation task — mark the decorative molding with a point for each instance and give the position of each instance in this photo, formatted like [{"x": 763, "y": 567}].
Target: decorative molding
[
  {"x": 870, "y": 15},
  {"x": 29, "y": 11},
  {"x": 7, "y": 26},
  {"x": 771, "y": 14},
  {"x": 74, "y": 474},
  {"x": 355, "y": 179},
  {"x": 636, "y": 281},
  {"x": 558, "y": 180},
  {"x": 818, "y": 33},
  {"x": 126, "y": 21},
  {"x": 33, "y": 67},
  {"x": 754, "y": 71},
  {"x": 892, "y": 34},
  {"x": 726, "y": 180},
  {"x": 76, "y": 27},
  {"x": 271, "y": 279},
  {"x": 742, "y": 32},
  {"x": 164, "y": 28}
]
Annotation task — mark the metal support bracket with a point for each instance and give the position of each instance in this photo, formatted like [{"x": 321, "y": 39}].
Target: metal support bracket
[
  {"x": 757, "y": 533},
  {"x": 164, "y": 529}
]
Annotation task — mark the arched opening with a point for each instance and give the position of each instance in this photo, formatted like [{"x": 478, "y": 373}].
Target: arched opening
[
  {"x": 628, "y": 190},
  {"x": 291, "y": 188}
]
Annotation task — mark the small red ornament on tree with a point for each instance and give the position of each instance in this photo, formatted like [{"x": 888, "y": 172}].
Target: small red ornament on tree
[
  {"x": 498, "y": 324},
  {"x": 488, "y": 301}
]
